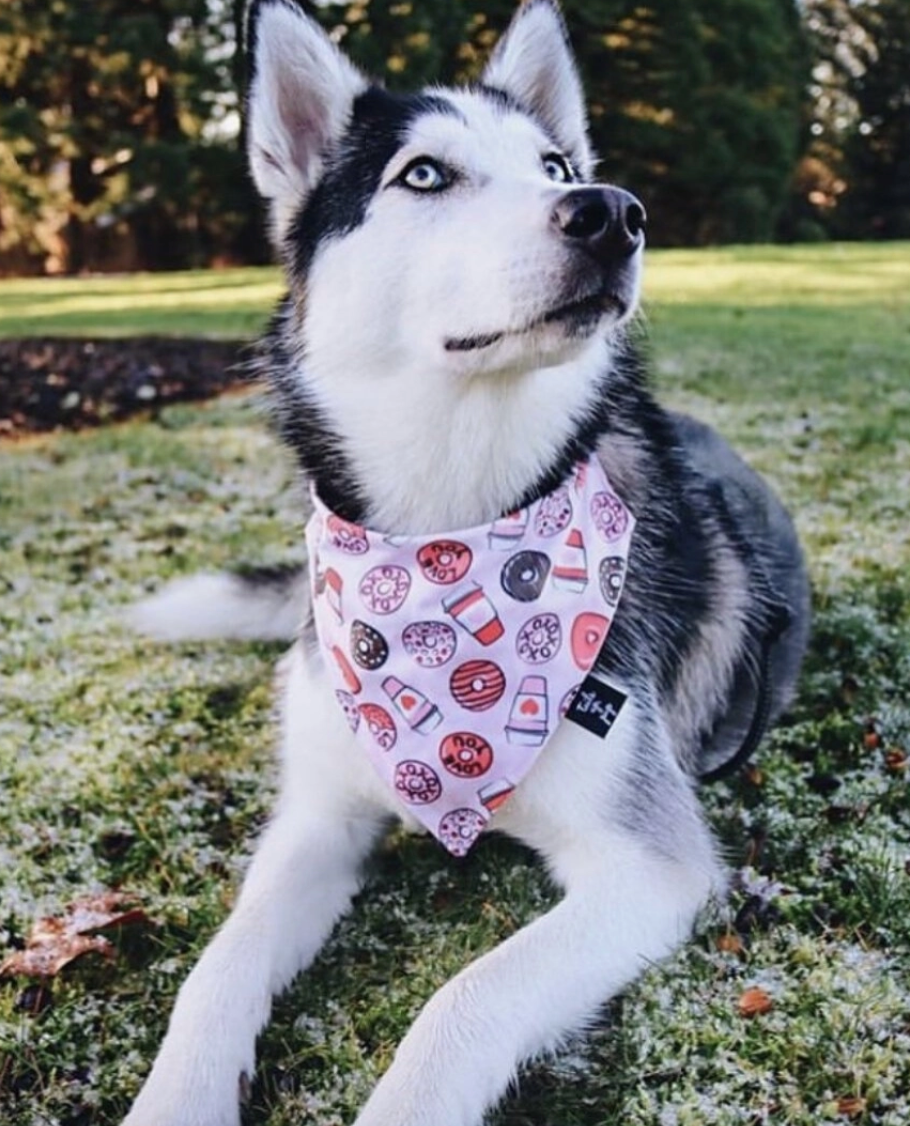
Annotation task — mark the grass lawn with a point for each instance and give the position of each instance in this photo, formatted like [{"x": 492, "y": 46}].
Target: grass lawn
[{"x": 126, "y": 764}]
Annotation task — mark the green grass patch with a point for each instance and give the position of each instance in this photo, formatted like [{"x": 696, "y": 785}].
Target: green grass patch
[
  {"x": 228, "y": 303},
  {"x": 124, "y": 763}
]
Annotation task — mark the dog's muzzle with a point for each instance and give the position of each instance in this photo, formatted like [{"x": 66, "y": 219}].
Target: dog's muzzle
[{"x": 606, "y": 222}]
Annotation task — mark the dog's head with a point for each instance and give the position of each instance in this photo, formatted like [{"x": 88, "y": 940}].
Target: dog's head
[{"x": 453, "y": 229}]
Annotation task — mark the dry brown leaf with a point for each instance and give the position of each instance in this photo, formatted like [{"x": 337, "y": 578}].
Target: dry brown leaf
[
  {"x": 851, "y": 1106},
  {"x": 896, "y": 759},
  {"x": 730, "y": 944},
  {"x": 59, "y": 939},
  {"x": 754, "y": 1002}
]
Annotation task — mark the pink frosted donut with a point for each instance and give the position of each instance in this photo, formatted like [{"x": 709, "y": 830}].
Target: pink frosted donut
[
  {"x": 554, "y": 513},
  {"x": 459, "y": 829},
  {"x": 384, "y": 588},
  {"x": 347, "y": 537},
  {"x": 588, "y": 633},
  {"x": 416, "y": 782},
  {"x": 539, "y": 639},
  {"x": 610, "y": 516},
  {"x": 431, "y": 644},
  {"x": 444, "y": 561},
  {"x": 381, "y": 725}
]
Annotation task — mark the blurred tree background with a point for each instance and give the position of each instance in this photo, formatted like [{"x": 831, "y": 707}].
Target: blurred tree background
[{"x": 735, "y": 120}]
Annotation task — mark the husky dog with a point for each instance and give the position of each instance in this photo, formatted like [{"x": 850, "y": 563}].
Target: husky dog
[{"x": 454, "y": 343}]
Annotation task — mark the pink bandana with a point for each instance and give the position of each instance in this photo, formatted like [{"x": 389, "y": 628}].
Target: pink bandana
[{"x": 455, "y": 656}]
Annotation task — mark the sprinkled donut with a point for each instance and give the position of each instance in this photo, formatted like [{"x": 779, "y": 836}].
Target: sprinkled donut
[
  {"x": 610, "y": 516},
  {"x": 347, "y": 537},
  {"x": 368, "y": 647},
  {"x": 431, "y": 644},
  {"x": 477, "y": 685},
  {"x": 459, "y": 829},
  {"x": 416, "y": 782},
  {"x": 566, "y": 702},
  {"x": 384, "y": 588},
  {"x": 349, "y": 707},
  {"x": 465, "y": 754},
  {"x": 539, "y": 639},
  {"x": 381, "y": 725},
  {"x": 554, "y": 513},
  {"x": 444, "y": 561},
  {"x": 611, "y": 574},
  {"x": 524, "y": 575}
]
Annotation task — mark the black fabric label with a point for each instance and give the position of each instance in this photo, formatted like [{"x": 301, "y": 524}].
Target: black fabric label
[{"x": 596, "y": 706}]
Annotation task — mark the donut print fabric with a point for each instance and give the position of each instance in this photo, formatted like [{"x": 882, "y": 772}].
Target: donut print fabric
[{"x": 455, "y": 654}]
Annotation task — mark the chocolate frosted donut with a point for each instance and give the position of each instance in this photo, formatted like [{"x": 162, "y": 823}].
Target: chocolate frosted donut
[
  {"x": 459, "y": 829},
  {"x": 477, "y": 685},
  {"x": 539, "y": 639},
  {"x": 523, "y": 576},
  {"x": 368, "y": 647},
  {"x": 381, "y": 725},
  {"x": 416, "y": 782},
  {"x": 465, "y": 754},
  {"x": 553, "y": 513},
  {"x": 431, "y": 644},
  {"x": 611, "y": 576},
  {"x": 444, "y": 561},
  {"x": 384, "y": 588}
]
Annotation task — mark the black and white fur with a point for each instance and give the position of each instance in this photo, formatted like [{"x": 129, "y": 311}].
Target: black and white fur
[{"x": 444, "y": 356}]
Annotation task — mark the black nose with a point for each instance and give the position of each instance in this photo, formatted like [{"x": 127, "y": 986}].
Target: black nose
[{"x": 608, "y": 221}]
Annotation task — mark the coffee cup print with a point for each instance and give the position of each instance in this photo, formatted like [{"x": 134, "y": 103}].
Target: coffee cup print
[
  {"x": 474, "y": 612},
  {"x": 570, "y": 569},
  {"x": 527, "y": 726},
  {"x": 420, "y": 714},
  {"x": 508, "y": 530},
  {"x": 333, "y": 588},
  {"x": 495, "y": 794}
]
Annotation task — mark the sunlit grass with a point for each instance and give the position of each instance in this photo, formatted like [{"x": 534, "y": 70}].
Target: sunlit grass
[
  {"x": 125, "y": 763},
  {"x": 235, "y": 303}
]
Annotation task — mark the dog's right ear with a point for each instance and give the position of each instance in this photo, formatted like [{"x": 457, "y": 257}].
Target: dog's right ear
[{"x": 300, "y": 94}]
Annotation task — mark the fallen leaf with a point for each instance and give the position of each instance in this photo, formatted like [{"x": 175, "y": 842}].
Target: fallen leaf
[
  {"x": 851, "y": 1106},
  {"x": 754, "y": 1002},
  {"x": 57, "y": 940},
  {"x": 896, "y": 759},
  {"x": 730, "y": 944}
]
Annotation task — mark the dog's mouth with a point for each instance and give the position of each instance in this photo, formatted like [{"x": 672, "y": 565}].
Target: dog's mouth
[{"x": 578, "y": 317}]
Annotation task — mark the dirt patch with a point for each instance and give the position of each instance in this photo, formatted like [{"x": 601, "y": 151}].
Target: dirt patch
[{"x": 47, "y": 383}]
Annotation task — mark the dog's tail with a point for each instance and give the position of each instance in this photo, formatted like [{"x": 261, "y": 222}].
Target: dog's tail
[{"x": 259, "y": 604}]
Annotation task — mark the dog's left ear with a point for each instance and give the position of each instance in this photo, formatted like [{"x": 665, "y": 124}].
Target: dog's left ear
[{"x": 534, "y": 63}]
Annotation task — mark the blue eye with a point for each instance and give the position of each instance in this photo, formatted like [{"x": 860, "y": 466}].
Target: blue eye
[
  {"x": 557, "y": 168},
  {"x": 424, "y": 175}
]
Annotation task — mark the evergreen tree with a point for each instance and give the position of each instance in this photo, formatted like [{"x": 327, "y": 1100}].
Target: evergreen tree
[
  {"x": 114, "y": 114},
  {"x": 696, "y": 105},
  {"x": 877, "y": 148}
]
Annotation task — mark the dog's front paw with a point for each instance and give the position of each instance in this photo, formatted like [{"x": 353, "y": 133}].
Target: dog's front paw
[{"x": 188, "y": 1100}]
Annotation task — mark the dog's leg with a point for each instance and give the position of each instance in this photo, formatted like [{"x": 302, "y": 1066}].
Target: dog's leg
[
  {"x": 624, "y": 908},
  {"x": 301, "y": 879}
]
